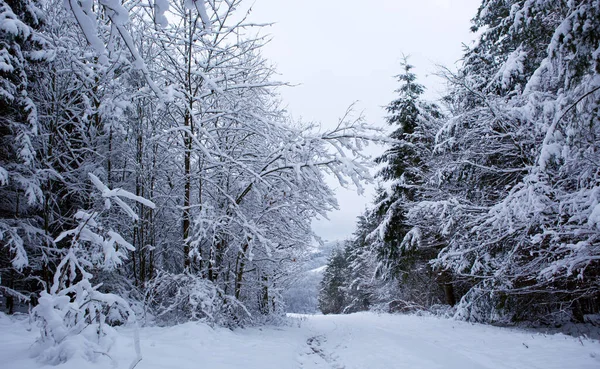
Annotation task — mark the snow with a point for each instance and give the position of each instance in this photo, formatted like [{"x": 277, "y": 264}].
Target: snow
[
  {"x": 5, "y": 62},
  {"x": 86, "y": 18},
  {"x": 318, "y": 270},
  {"x": 362, "y": 340},
  {"x": 3, "y": 172},
  {"x": 160, "y": 7},
  {"x": 10, "y": 23},
  {"x": 513, "y": 67},
  {"x": 200, "y": 6},
  {"x": 115, "y": 193},
  {"x": 594, "y": 218},
  {"x": 10, "y": 237},
  {"x": 118, "y": 14}
]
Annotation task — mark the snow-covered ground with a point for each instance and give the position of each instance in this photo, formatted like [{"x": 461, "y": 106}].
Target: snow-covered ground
[{"x": 363, "y": 340}]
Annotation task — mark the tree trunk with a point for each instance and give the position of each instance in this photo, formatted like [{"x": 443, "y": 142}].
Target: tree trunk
[
  {"x": 449, "y": 292},
  {"x": 241, "y": 261},
  {"x": 187, "y": 141},
  {"x": 446, "y": 280},
  {"x": 187, "y": 194}
]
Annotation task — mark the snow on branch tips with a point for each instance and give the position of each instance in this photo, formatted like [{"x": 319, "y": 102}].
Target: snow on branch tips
[
  {"x": 83, "y": 10},
  {"x": 119, "y": 192},
  {"x": 346, "y": 142}
]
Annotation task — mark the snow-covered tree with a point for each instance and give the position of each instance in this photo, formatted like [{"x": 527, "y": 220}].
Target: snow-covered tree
[
  {"x": 22, "y": 51},
  {"x": 332, "y": 296},
  {"x": 403, "y": 250},
  {"x": 520, "y": 216},
  {"x": 497, "y": 199},
  {"x": 364, "y": 286}
]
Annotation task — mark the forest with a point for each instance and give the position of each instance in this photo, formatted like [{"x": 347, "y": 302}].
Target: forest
[
  {"x": 150, "y": 174},
  {"x": 488, "y": 207}
]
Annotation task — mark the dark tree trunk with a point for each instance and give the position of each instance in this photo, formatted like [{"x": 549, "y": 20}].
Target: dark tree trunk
[
  {"x": 445, "y": 278},
  {"x": 241, "y": 261},
  {"x": 449, "y": 292}
]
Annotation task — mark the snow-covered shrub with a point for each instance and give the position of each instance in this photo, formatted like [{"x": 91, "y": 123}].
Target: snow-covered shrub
[
  {"x": 481, "y": 306},
  {"x": 74, "y": 316},
  {"x": 442, "y": 310},
  {"x": 76, "y": 321},
  {"x": 177, "y": 298}
]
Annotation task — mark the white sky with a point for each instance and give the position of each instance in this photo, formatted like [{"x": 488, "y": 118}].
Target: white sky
[{"x": 342, "y": 51}]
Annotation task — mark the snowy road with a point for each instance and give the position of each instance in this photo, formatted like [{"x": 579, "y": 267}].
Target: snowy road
[
  {"x": 364, "y": 340},
  {"x": 372, "y": 341}
]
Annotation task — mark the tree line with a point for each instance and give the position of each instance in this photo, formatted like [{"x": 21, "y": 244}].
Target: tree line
[
  {"x": 488, "y": 200},
  {"x": 148, "y": 171}
]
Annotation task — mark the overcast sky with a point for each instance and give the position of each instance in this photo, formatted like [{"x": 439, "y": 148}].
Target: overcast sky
[{"x": 342, "y": 51}]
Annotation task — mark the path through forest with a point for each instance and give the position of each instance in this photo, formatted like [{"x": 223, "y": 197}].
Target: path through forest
[
  {"x": 384, "y": 341},
  {"x": 363, "y": 340}
]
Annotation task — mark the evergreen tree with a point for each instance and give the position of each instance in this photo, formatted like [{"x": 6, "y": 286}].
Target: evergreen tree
[
  {"x": 362, "y": 288},
  {"x": 516, "y": 213},
  {"x": 405, "y": 164},
  {"x": 332, "y": 296},
  {"x": 407, "y": 169},
  {"x": 21, "y": 172}
]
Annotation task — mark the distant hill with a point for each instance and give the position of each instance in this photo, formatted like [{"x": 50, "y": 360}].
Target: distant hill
[{"x": 301, "y": 294}]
